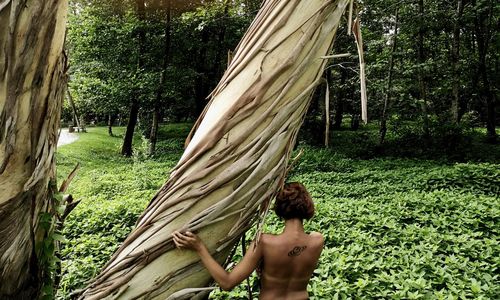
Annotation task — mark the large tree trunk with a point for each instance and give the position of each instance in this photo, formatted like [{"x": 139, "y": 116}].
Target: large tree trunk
[
  {"x": 134, "y": 105},
  {"x": 32, "y": 86},
  {"x": 236, "y": 159}
]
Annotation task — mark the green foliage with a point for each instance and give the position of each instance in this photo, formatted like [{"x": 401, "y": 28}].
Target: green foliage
[
  {"x": 46, "y": 250},
  {"x": 474, "y": 178},
  {"x": 400, "y": 228},
  {"x": 447, "y": 142},
  {"x": 105, "y": 50},
  {"x": 114, "y": 191}
]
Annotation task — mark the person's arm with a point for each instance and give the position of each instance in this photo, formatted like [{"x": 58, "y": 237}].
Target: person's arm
[{"x": 226, "y": 280}]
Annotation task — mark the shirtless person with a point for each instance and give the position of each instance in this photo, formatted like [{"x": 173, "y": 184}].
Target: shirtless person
[{"x": 288, "y": 259}]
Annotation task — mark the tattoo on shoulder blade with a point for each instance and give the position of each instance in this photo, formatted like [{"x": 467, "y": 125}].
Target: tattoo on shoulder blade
[{"x": 297, "y": 250}]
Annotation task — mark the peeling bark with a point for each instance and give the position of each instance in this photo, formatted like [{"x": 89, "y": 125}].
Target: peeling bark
[
  {"x": 32, "y": 86},
  {"x": 236, "y": 156}
]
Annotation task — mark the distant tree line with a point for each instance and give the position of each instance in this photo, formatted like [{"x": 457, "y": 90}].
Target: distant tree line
[{"x": 432, "y": 63}]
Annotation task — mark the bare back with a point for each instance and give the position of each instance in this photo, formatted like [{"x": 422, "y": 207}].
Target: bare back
[{"x": 289, "y": 260}]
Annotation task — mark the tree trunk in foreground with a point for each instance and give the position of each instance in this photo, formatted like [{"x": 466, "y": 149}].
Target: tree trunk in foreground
[
  {"x": 236, "y": 157},
  {"x": 32, "y": 86}
]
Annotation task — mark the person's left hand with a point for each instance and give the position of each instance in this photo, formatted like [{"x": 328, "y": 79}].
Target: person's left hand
[{"x": 187, "y": 240}]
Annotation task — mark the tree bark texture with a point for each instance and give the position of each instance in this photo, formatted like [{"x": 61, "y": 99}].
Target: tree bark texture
[
  {"x": 32, "y": 87},
  {"x": 235, "y": 159}
]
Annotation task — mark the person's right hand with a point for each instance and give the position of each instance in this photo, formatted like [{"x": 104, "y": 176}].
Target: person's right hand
[{"x": 187, "y": 240}]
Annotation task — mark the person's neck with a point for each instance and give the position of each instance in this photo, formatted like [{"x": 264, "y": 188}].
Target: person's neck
[{"x": 293, "y": 225}]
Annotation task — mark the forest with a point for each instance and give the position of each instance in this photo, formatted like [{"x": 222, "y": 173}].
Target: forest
[
  {"x": 431, "y": 63},
  {"x": 407, "y": 201}
]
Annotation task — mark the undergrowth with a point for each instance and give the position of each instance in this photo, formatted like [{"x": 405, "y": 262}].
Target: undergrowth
[{"x": 395, "y": 227}]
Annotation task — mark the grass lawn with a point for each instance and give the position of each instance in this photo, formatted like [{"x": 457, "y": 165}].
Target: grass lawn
[{"x": 395, "y": 227}]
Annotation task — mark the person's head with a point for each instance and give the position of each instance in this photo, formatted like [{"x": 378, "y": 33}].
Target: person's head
[{"x": 294, "y": 202}]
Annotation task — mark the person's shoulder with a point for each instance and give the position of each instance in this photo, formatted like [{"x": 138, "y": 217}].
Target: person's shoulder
[
  {"x": 268, "y": 236},
  {"x": 317, "y": 236}
]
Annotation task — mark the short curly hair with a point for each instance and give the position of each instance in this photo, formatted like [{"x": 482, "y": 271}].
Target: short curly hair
[{"x": 294, "y": 201}]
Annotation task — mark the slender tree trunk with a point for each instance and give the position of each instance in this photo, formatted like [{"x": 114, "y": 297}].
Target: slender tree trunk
[
  {"x": 111, "y": 121},
  {"x": 32, "y": 88},
  {"x": 129, "y": 133},
  {"x": 236, "y": 159},
  {"x": 483, "y": 27},
  {"x": 134, "y": 105},
  {"x": 153, "y": 135},
  {"x": 166, "y": 4},
  {"x": 387, "y": 97},
  {"x": 201, "y": 89},
  {"x": 456, "y": 63},
  {"x": 339, "y": 103},
  {"x": 221, "y": 51},
  {"x": 76, "y": 116},
  {"x": 421, "y": 76},
  {"x": 327, "y": 108}
]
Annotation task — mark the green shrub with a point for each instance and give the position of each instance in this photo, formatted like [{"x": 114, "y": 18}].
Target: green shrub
[{"x": 395, "y": 228}]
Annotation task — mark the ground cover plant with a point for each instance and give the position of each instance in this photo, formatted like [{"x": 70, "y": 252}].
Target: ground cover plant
[{"x": 395, "y": 227}]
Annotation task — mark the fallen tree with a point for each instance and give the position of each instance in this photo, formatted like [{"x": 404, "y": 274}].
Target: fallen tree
[{"x": 235, "y": 158}]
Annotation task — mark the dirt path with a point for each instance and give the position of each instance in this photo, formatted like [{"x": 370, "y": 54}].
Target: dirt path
[{"x": 66, "y": 138}]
